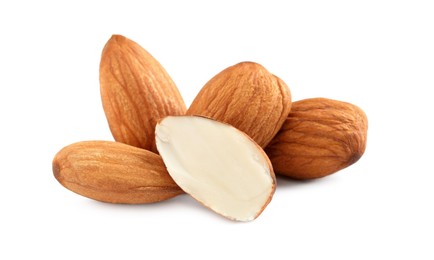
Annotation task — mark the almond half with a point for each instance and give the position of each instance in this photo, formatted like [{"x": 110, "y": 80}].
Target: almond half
[
  {"x": 248, "y": 97},
  {"x": 136, "y": 92},
  {"x": 216, "y": 164},
  {"x": 114, "y": 172},
  {"x": 320, "y": 137}
]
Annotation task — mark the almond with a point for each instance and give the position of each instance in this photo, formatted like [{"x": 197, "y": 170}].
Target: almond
[
  {"x": 217, "y": 164},
  {"x": 248, "y": 97},
  {"x": 320, "y": 137},
  {"x": 114, "y": 172},
  {"x": 136, "y": 92}
]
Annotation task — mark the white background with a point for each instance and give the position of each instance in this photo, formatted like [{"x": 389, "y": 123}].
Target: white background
[{"x": 377, "y": 54}]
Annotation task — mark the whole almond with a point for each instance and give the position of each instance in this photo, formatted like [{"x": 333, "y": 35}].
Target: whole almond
[
  {"x": 319, "y": 137},
  {"x": 136, "y": 92},
  {"x": 114, "y": 172},
  {"x": 248, "y": 97}
]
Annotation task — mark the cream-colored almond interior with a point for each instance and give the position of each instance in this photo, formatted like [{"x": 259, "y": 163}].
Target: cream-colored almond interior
[{"x": 216, "y": 164}]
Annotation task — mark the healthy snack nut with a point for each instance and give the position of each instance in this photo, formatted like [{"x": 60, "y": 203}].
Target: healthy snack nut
[
  {"x": 136, "y": 92},
  {"x": 114, "y": 172},
  {"x": 224, "y": 151},
  {"x": 320, "y": 137},
  {"x": 248, "y": 97},
  {"x": 217, "y": 164}
]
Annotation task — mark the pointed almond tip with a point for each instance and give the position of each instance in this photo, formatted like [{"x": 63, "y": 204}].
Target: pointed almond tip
[
  {"x": 247, "y": 62},
  {"x": 250, "y": 64},
  {"x": 56, "y": 165},
  {"x": 56, "y": 168},
  {"x": 249, "y": 67},
  {"x": 117, "y": 39}
]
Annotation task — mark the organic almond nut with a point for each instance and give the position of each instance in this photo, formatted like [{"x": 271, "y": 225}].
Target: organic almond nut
[
  {"x": 114, "y": 172},
  {"x": 136, "y": 92},
  {"x": 320, "y": 137},
  {"x": 248, "y": 97},
  {"x": 217, "y": 164}
]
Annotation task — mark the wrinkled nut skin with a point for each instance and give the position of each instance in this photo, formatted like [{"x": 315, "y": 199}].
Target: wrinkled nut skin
[
  {"x": 320, "y": 137},
  {"x": 248, "y": 97},
  {"x": 114, "y": 172},
  {"x": 136, "y": 92}
]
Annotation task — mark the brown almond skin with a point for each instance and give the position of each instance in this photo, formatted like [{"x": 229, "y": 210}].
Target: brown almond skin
[
  {"x": 248, "y": 97},
  {"x": 114, "y": 172},
  {"x": 136, "y": 92},
  {"x": 320, "y": 137}
]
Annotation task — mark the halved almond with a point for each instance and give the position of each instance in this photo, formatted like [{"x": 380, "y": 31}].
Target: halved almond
[{"x": 216, "y": 164}]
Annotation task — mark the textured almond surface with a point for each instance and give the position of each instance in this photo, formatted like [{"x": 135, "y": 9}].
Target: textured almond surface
[
  {"x": 114, "y": 172},
  {"x": 136, "y": 92},
  {"x": 248, "y": 97},
  {"x": 319, "y": 137}
]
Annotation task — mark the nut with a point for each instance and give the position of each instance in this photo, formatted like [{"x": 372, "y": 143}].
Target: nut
[
  {"x": 319, "y": 137},
  {"x": 248, "y": 97},
  {"x": 136, "y": 92},
  {"x": 114, "y": 172},
  {"x": 217, "y": 164}
]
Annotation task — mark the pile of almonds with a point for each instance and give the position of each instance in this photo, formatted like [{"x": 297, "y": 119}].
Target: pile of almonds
[{"x": 224, "y": 150}]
